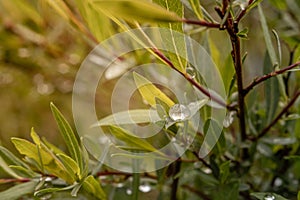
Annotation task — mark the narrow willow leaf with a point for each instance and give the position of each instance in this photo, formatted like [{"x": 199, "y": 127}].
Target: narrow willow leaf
[
  {"x": 50, "y": 163},
  {"x": 10, "y": 158},
  {"x": 196, "y": 6},
  {"x": 135, "y": 10},
  {"x": 271, "y": 50},
  {"x": 130, "y": 139},
  {"x": 70, "y": 165},
  {"x": 224, "y": 171},
  {"x": 18, "y": 191},
  {"x": 94, "y": 20},
  {"x": 36, "y": 139},
  {"x": 271, "y": 91},
  {"x": 149, "y": 91},
  {"x": 8, "y": 170},
  {"x": 130, "y": 117},
  {"x": 92, "y": 186},
  {"x": 174, "y": 42},
  {"x": 52, "y": 190},
  {"x": 24, "y": 172},
  {"x": 263, "y": 195},
  {"x": 68, "y": 135}
]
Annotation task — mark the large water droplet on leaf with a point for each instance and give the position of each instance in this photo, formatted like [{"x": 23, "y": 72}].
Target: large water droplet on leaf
[
  {"x": 179, "y": 112},
  {"x": 145, "y": 187},
  {"x": 269, "y": 197},
  {"x": 191, "y": 71}
]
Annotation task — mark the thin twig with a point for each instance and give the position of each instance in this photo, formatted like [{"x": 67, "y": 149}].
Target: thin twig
[
  {"x": 15, "y": 180},
  {"x": 244, "y": 11},
  {"x": 284, "y": 110},
  {"x": 201, "y": 23},
  {"x": 202, "y": 160},
  {"x": 257, "y": 81}
]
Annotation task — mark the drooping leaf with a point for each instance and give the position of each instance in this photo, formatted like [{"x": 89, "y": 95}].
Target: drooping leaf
[
  {"x": 271, "y": 50},
  {"x": 18, "y": 191},
  {"x": 130, "y": 117},
  {"x": 271, "y": 91},
  {"x": 92, "y": 186},
  {"x": 135, "y": 10},
  {"x": 149, "y": 91},
  {"x": 68, "y": 135}
]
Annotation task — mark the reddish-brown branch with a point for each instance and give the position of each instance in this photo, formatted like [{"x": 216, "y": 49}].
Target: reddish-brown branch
[
  {"x": 201, "y": 23},
  {"x": 284, "y": 111},
  {"x": 267, "y": 76}
]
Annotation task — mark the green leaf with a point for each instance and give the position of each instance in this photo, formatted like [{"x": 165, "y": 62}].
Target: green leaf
[
  {"x": 70, "y": 165},
  {"x": 135, "y": 10},
  {"x": 69, "y": 136},
  {"x": 92, "y": 186},
  {"x": 130, "y": 139},
  {"x": 174, "y": 42},
  {"x": 8, "y": 170},
  {"x": 52, "y": 147},
  {"x": 279, "y": 4},
  {"x": 298, "y": 196},
  {"x": 36, "y": 139},
  {"x": 60, "y": 7},
  {"x": 271, "y": 50},
  {"x": 94, "y": 20},
  {"x": 24, "y": 172},
  {"x": 18, "y": 191},
  {"x": 214, "y": 137},
  {"x": 130, "y": 117},
  {"x": 224, "y": 171},
  {"x": 271, "y": 91},
  {"x": 196, "y": 6},
  {"x": 149, "y": 91},
  {"x": 262, "y": 195},
  {"x": 243, "y": 33},
  {"x": 49, "y": 161},
  {"x": 52, "y": 190},
  {"x": 10, "y": 158}
]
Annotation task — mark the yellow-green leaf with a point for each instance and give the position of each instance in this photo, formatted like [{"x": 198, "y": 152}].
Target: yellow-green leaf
[
  {"x": 70, "y": 165},
  {"x": 49, "y": 161},
  {"x": 135, "y": 10},
  {"x": 92, "y": 186},
  {"x": 69, "y": 136},
  {"x": 149, "y": 91}
]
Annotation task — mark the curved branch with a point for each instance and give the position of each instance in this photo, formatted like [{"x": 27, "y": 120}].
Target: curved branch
[{"x": 257, "y": 81}]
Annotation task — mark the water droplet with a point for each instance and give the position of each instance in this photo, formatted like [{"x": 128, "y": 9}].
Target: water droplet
[
  {"x": 191, "y": 71},
  {"x": 179, "y": 112},
  {"x": 128, "y": 191},
  {"x": 228, "y": 119},
  {"x": 119, "y": 185},
  {"x": 145, "y": 188},
  {"x": 269, "y": 197},
  {"x": 278, "y": 182}
]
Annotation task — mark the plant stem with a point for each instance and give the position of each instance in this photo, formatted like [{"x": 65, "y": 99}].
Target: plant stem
[
  {"x": 174, "y": 186},
  {"x": 232, "y": 29},
  {"x": 261, "y": 79},
  {"x": 284, "y": 110}
]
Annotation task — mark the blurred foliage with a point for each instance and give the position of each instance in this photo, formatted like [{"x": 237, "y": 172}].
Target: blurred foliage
[{"x": 42, "y": 46}]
